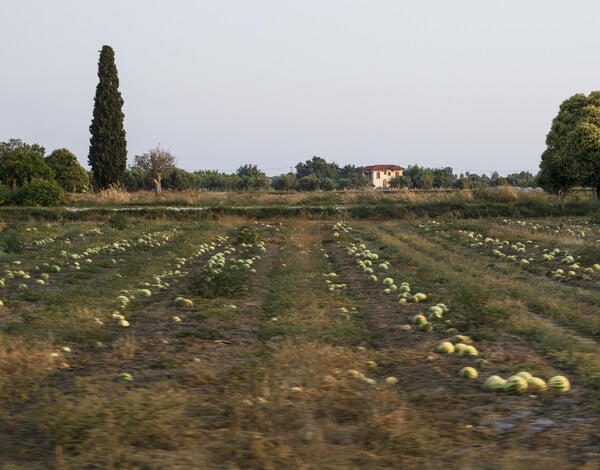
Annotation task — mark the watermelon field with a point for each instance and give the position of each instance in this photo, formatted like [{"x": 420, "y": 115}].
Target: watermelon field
[{"x": 152, "y": 342}]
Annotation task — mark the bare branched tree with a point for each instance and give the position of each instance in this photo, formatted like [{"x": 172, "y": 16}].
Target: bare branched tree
[{"x": 157, "y": 162}]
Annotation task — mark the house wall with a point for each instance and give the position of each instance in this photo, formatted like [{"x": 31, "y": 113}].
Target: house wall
[{"x": 381, "y": 178}]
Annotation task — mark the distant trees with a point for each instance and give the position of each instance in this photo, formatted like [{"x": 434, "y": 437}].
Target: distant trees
[
  {"x": 351, "y": 177},
  {"x": 318, "y": 167},
  {"x": 156, "y": 163},
  {"x": 284, "y": 182},
  {"x": 318, "y": 173},
  {"x": 572, "y": 155},
  {"x": 251, "y": 178},
  {"x": 108, "y": 147},
  {"x": 427, "y": 178},
  {"x": 400, "y": 182}
]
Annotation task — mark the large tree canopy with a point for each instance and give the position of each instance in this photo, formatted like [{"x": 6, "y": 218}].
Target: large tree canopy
[
  {"x": 20, "y": 163},
  {"x": 67, "y": 171},
  {"x": 108, "y": 147},
  {"x": 572, "y": 155}
]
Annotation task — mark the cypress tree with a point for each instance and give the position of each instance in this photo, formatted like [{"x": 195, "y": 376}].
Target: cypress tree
[{"x": 108, "y": 147}]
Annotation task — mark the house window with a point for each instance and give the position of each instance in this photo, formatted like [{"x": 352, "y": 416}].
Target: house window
[
  {"x": 378, "y": 175},
  {"x": 397, "y": 173}
]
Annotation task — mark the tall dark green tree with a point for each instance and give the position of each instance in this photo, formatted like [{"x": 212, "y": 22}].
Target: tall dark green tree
[{"x": 108, "y": 147}]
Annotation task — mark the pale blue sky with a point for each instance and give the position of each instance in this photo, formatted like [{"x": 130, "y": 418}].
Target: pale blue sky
[{"x": 470, "y": 84}]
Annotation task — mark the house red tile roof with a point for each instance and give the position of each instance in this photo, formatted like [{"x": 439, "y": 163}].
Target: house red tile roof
[{"x": 382, "y": 168}]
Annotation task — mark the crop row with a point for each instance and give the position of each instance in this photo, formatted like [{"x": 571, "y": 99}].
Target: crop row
[
  {"x": 561, "y": 264},
  {"x": 438, "y": 317}
]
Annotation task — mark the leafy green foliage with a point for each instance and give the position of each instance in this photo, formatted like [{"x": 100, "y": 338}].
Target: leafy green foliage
[
  {"x": 248, "y": 235},
  {"x": 572, "y": 155},
  {"x": 317, "y": 173},
  {"x": 40, "y": 192},
  {"x": 180, "y": 180},
  {"x": 284, "y": 182},
  {"x": 119, "y": 221},
  {"x": 251, "y": 178},
  {"x": 229, "y": 281},
  {"x": 309, "y": 183},
  {"x": 318, "y": 167},
  {"x": 108, "y": 147},
  {"x": 5, "y": 194},
  {"x": 12, "y": 241},
  {"x": 135, "y": 179},
  {"x": 67, "y": 170},
  {"x": 213, "y": 180},
  {"x": 21, "y": 162}
]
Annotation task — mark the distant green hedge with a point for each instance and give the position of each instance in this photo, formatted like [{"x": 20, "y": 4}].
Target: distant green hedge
[
  {"x": 35, "y": 193},
  {"x": 460, "y": 210}
]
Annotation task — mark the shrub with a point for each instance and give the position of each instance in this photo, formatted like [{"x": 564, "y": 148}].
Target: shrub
[
  {"x": 5, "y": 195},
  {"x": 228, "y": 282},
  {"x": 40, "y": 192},
  {"x": 504, "y": 194},
  {"x": 119, "y": 221},
  {"x": 70, "y": 233},
  {"x": 12, "y": 241}
]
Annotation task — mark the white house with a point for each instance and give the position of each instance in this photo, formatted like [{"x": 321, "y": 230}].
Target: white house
[{"x": 380, "y": 175}]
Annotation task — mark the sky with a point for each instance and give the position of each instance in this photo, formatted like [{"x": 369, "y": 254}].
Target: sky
[{"x": 467, "y": 84}]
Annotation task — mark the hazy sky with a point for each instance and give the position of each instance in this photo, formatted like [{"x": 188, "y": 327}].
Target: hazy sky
[{"x": 470, "y": 84}]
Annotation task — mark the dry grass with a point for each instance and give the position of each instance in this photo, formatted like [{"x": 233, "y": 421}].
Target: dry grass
[
  {"x": 304, "y": 391},
  {"x": 125, "y": 347},
  {"x": 366, "y": 196},
  {"x": 23, "y": 365},
  {"x": 307, "y": 408}
]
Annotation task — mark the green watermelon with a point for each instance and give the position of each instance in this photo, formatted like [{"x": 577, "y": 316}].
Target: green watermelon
[
  {"x": 469, "y": 373},
  {"x": 494, "y": 383},
  {"x": 445, "y": 347},
  {"x": 559, "y": 383},
  {"x": 535, "y": 384},
  {"x": 516, "y": 385}
]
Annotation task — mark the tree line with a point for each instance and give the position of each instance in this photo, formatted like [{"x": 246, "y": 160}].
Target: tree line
[
  {"x": 318, "y": 174},
  {"x": 29, "y": 177}
]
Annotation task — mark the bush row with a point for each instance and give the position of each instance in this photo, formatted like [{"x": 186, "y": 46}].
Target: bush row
[{"x": 35, "y": 193}]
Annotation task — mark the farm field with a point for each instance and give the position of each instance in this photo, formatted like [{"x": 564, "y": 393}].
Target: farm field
[{"x": 225, "y": 342}]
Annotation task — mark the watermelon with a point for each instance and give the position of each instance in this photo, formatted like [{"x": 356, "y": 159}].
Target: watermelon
[
  {"x": 516, "y": 385},
  {"x": 468, "y": 350},
  {"x": 445, "y": 347},
  {"x": 435, "y": 312},
  {"x": 526, "y": 375},
  {"x": 495, "y": 383},
  {"x": 559, "y": 383},
  {"x": 535, "y": 384},
  {"x": 468, "y": 373},
  {"x": 461, "y": 339}
]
